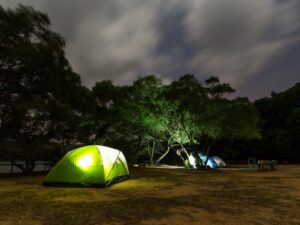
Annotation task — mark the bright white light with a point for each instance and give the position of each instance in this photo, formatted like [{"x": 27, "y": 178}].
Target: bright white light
[
  {"x": 192, "y": 161},
  {"x": 85, "y": 161}
]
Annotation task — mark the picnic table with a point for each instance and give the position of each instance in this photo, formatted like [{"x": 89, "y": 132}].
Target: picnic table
[
  {"x": 261, "y": 164},
  {"x": 266, "y": 164}
]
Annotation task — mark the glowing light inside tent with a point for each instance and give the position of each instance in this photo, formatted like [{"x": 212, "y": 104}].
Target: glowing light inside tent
[
  {"x": 192, "y": 161},
  {"x": 210, "y": 164},
  {"x": 85, "y": 161},
  {"x": 109, "y": 155}
]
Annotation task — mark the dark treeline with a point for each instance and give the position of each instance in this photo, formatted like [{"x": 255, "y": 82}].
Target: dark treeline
[
  {"x": 45, "y": 111},
  {"x": 279, "y": 127}
]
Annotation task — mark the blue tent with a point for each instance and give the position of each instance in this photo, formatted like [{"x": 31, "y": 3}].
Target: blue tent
[{"x": 213, "y": 161}]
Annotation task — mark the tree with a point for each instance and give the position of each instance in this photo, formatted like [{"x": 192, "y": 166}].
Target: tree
[
  {"x": 38, "y": 89},
  {"x": 106, "y": 97},
  {"x": 184, "y": 114},
  {"x": 137, "y": 113},
  {"x": 280, "y": 125},
  {"x": 207, "y": 116}
]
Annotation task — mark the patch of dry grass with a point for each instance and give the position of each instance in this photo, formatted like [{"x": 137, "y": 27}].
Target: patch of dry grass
[{"x": 159, "y": 196}]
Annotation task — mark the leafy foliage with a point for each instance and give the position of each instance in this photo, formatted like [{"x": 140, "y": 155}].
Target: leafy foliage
[
  {"x": 38, "y": 90},
  {"x": 280, "y": 116}
]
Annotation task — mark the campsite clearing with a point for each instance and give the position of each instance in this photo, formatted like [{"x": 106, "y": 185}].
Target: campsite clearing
[{"x": 159, "y": 196}]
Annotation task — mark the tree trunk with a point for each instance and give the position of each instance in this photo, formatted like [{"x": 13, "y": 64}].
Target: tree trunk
[
  {"x": 12, "y": 166},
  {"x": 184, "y": 161},
  {"x": 152, "y": 152},
  {"x": 139, "y": 142},
  {"x": 27, "y": 168},
  {"x": 163, "y": 155},
  {"x": 207, "y": 154}
]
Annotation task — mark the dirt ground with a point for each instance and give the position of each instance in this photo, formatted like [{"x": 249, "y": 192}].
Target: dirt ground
[{"x": 159, "y": 196}]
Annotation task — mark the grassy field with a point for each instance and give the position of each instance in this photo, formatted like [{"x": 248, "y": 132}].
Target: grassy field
[{"x": 159, "y": 196}]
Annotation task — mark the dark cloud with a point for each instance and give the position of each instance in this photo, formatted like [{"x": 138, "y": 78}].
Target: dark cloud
[
  {"x": 173, "y": 43},
  {"x": 238, "y": 40},
  {"x": 281, "y": 74}
]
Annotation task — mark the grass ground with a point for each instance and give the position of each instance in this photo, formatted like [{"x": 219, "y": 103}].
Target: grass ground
[{"x": 159, "y": 196}]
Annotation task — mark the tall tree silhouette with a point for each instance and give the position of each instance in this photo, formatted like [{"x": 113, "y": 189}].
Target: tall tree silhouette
[{"x": 38, "y": 89}]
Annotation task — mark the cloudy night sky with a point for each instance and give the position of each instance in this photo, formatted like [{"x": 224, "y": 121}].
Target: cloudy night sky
[{"x": 252, "y": 44}]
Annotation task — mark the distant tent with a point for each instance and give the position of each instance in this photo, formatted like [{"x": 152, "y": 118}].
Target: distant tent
[
  {"x": 213, "y": 161},
  {"x": 92, "y": 165}
]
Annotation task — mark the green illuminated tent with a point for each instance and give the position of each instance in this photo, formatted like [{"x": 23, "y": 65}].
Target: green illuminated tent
[{"x": 90, "y": 165}]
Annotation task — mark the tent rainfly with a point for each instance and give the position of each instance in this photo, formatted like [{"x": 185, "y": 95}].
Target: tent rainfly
[
  {"x": 213, "y": 161},
  {"x": 91, "y": 165}
]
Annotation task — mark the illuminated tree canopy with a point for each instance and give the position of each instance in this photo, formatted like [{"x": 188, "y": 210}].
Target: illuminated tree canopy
[{"x": 186, "y": 113}]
